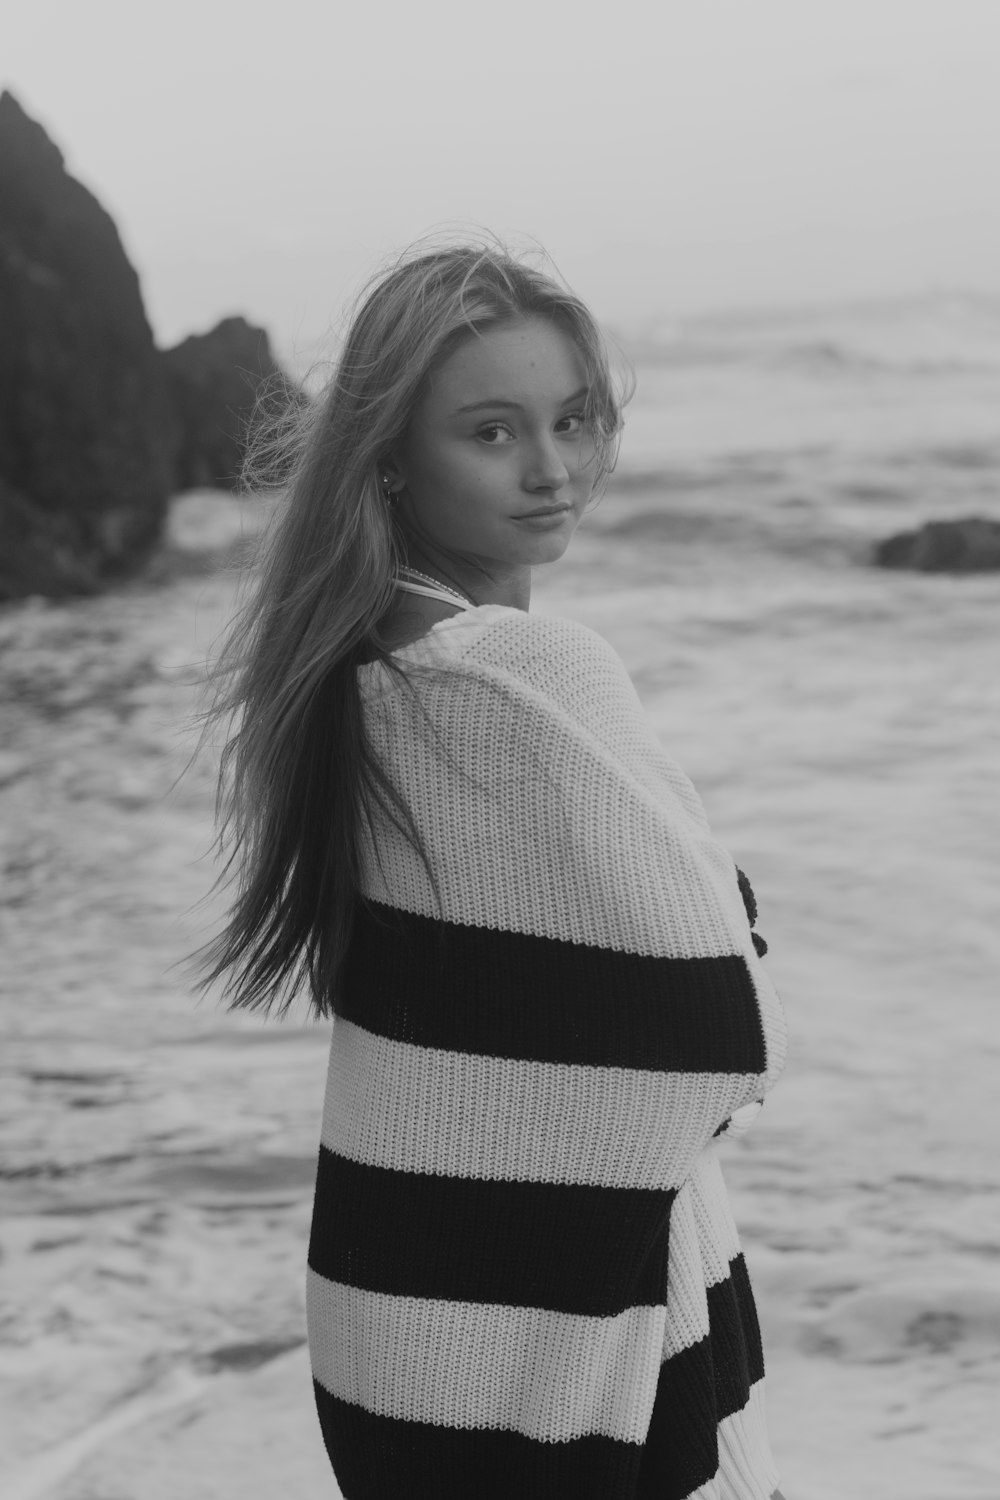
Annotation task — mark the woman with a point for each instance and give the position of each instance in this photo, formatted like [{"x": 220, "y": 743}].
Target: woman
[{"x": 450, "y": 818}]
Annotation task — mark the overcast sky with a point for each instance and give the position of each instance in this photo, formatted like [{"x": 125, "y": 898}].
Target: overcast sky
[{"x": 672, "y": 155}]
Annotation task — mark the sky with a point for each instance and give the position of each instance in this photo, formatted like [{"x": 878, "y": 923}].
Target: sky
[{"x": 672, "y": 156}]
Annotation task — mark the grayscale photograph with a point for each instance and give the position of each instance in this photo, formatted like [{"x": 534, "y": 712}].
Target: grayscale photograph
[{"x": 500, "y": 751}]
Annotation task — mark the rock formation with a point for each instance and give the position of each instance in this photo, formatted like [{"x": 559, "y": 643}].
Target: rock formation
[
  {"x": 969, "y": 545},
  {"x": 85, "y": 427},
  {"x": 216, "y": 379},
  {"x": 97, "y": 426}
]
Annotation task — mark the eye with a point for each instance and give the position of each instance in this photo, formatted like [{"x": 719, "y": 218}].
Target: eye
[
  {"x": 572, "y": 423},
  {"x": 495, "y": 432}
]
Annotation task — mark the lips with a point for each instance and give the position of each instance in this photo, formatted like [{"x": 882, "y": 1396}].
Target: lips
[{"x": 547, "y": 510}]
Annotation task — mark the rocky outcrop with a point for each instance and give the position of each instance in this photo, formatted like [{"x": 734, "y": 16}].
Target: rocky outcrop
[
  {"x": 216, "y": 381},
  {"x": 969, "y": 545},
  {"x": 86, "y": 450},
  {"x": 97, "y": 426},
  {"x": 39, "y": 552}
]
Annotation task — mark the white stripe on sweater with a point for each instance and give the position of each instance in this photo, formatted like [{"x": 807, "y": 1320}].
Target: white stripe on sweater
[
  {"x": 553, "y": 870},
  {"x": 747, "y": 1470},
  {"x": 550, "y": 1376},
  {"x": 712, "y": 1218},
  {"x": 686, "y": 1322},
  {"x": 703, "y": 1241},
  {"x": 457, "y": 1114}
]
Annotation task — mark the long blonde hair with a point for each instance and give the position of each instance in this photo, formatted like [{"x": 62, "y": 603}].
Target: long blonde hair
[{"x": 298, "y": 779}]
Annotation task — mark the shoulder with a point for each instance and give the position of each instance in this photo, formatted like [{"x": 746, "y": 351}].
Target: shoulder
[
  {"x": 531, "y": 674},
  {"x": 524, "y": 635},
  {"x": 573, "y": 684},
  {"x": 545, "y": 657},
  {"x": 559, "y": 659}
]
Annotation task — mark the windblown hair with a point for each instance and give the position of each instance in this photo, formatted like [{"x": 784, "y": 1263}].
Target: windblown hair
[{"x": 298, "y": 781}]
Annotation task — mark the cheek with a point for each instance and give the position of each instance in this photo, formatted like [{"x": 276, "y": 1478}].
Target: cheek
[
  {"x": 473, "y": 482},
  {"x": 586, "y": 460},
  {"x": 446, "y": 472},
  {"x": 456, "y": 496},
  {"x": 587, "y": 477}
]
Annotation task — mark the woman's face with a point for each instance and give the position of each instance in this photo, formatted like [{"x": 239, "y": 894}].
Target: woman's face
[{"x": 497, "y": 464}]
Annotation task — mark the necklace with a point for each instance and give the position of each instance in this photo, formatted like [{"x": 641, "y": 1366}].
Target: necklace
[{"x": 437, "y": 584}]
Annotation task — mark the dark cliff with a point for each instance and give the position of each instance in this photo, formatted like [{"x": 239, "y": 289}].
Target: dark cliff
[
  {"x": 86, "y": 449},
  {"x": 97, "y": 426}
]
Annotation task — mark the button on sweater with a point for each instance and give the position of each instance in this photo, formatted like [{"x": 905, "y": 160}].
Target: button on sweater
[{"x": 524, "y": 1278}]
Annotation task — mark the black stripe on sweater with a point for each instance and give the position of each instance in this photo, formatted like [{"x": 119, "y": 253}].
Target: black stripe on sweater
[
  {"x": 698, "y": 1388},
  {"x": 384, "y": 1458},
  {"x": 587, "y": 1250},
  {"x": 516, "y": 995},
  {"x": 737, "y": 1353},
  {"x": 381, "y": 1458}
]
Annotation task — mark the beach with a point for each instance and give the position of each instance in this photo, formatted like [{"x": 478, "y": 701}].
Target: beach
[{"x": 841, "y": 723}]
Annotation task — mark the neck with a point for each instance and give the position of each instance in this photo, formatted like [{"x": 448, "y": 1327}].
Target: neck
[{"x": 510, "y": 586}]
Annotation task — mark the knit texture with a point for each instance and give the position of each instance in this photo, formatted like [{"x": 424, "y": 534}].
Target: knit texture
[{"x": 524, "y": 1278}]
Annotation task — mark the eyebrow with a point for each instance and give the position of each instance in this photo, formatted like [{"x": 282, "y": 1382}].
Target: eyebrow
[{"x": 496, "y": 405}]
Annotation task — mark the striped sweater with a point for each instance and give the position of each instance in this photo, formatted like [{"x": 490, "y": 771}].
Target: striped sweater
[{"x": 524, "y": 1278}]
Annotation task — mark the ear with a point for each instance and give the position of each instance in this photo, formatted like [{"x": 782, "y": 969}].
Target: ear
[{"x": 390, "y": 471}]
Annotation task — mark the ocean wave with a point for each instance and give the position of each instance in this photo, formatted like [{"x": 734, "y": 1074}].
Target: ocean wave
[
  {"x": 934, "y": 336},
  {"x": 737, "y": 468},
  {"x": 821, "y": 474},
  {"x": 831, "y": 359},
  {"x": 803, "y": 532},
  {"x": 824, "y": 358},
  {"x": 962, "y": 456},
  {"x": 887, "y": 1325}
]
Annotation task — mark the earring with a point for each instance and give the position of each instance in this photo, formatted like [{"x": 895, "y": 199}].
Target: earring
[{"x": 390, "y": 498}]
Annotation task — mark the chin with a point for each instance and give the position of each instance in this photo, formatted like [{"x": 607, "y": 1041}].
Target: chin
[
  {"x": 545, "y": 547},
  {"x": 549, "y": 550}
]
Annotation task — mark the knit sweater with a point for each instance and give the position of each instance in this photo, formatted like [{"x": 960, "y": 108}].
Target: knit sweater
[{"x": 524, "y": 1278}]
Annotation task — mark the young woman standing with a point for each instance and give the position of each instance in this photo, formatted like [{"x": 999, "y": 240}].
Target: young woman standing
[{"x": 450, "y": 819}]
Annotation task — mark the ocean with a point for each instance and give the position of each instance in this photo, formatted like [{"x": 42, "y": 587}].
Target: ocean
[{"x": 841, "y": 723}]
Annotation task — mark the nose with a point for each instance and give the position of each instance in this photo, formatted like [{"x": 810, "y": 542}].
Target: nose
[{"x": 547, "y": 469}]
